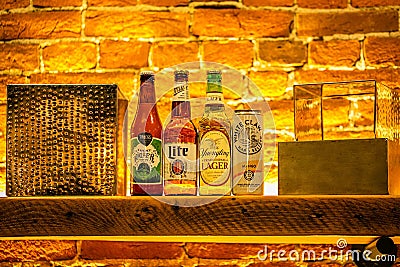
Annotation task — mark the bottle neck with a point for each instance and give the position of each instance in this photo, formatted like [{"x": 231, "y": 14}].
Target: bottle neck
[
  {"x": 214, "y": 86},
  {"x": 214, "y": 102},
  {"x": 147, "y": 93},
  {"x": 180, "y": 100},
  {"x": 181, "y": 109},
  {"x": 215, "y": 98}
]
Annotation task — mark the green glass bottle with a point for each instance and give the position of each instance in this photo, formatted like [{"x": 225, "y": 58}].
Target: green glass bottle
[{"x": 214, "y": 141}]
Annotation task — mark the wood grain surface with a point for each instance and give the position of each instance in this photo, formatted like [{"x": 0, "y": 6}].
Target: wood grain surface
[{"x": 227, "y": 216}]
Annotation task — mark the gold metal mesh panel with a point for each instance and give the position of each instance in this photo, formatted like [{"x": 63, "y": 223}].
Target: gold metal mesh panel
[{"x": 61, "y": 140}]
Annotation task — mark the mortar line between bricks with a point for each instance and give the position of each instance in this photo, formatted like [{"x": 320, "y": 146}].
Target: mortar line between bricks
[
  {"x": 394, "y": 34},
  {"x": 187, "y": 255},
  {"x": 381, "y": 9},
  {"x": 361, "y": 63},
  {"x": 197, "y": 5},
  {"x": 191, "y": 20},
  {"x": 308, "y": 56},
  {"x": 378, "y": 67},
  {"x": 229, "y": 5},
  {"x": 139, "y": 39},
  {"x": 328, "y": 67},
  {"x": 200, "y": 51},
  {"x": 185, "y": 251},
  {"x": 142, "y": 8},
  {"x": 27, "y": 9},
  {"x": 307, "y": 39},
  {"x": 150, "y": 56},
  {"x": 291, "y": 78},
  {"x": 98, "y": 57},
  {"x": 246, "y": 8},
  {"x": 99, "y": 38},
  {"x": 83, "y": 17},
  {"x": 257, "y": 59},
  {"x": 78, "y": 249},
  {"x": 285, "y": 68},
  {"x": 237, "y": 4},
  {"x": 14, "y": 72},
  {"x": 293, "y": 33},
  {"x": 48, "y": 42},
  {"x": 283, "y": 97},
  {"x": 265, "y": 68},
  {"x": 398, "y": 12},
  {"x": 41, "y": 60},
  {"x": 31, "y": 9}
]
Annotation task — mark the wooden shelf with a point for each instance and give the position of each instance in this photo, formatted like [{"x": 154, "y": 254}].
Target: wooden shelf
[{"x": 227, "y": 216}]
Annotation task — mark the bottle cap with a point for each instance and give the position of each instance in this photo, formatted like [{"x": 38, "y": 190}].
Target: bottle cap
[
  {"x": 214, "y": 79},
  {"x": 181, "y": 74},
  {"x": 146, "y": 75},
  {"x": 214, "y": 76}
]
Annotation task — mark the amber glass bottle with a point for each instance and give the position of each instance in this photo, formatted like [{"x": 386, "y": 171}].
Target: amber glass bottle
[
  {"x": 180, "y": 143},
  {"x": 146, "y": 157}
]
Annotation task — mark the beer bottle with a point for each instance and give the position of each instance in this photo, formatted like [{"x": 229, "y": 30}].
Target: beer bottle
[
  {"x": 145, "y": 133},
  {"x": 180, "y": 143},
  {"x": 214, "y": 143}
]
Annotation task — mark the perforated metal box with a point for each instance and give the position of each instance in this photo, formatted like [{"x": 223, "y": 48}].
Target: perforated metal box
[{"x": 64, "y": 140}]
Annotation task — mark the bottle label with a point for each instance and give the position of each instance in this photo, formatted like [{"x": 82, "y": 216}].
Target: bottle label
[
  {"x": 247, "y": 157},
  {"x": 181, "y": 92},
  {"x": 146, "y": 159},
  {"x": 215, "y": 158},
  {"x": 214, "y": 98},
  {"x": 180, "y": 161},
  {"x": 248, "y": 136},
  {"x": 248, "y": 175}
]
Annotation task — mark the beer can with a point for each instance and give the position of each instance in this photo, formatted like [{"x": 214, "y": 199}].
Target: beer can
[{"x": 247, "y": 153}]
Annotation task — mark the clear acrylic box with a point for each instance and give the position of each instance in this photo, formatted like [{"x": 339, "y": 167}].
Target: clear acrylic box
[
  {"x": 329, "y": 111},
  {"x": 337, "y": 114}
]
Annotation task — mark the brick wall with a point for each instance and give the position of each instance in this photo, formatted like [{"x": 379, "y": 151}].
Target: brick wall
[
  {"x": 119, "y": 254},
  {"x": 277, "y": 43}
]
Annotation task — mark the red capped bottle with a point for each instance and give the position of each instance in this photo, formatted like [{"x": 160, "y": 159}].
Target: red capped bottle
[
  {"x": 146, "y": 129},
  {"x": 180, "y": 143}
]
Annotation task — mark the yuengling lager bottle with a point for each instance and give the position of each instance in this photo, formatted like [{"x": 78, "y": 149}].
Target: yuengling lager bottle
[{"x": 214, "y": 143}]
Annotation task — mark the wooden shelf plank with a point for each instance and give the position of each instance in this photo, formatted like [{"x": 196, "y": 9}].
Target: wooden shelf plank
[
  {"x": 227, "y": 216},
  {"x": 311, "y": 239}
]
